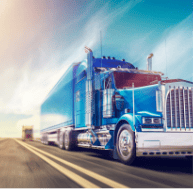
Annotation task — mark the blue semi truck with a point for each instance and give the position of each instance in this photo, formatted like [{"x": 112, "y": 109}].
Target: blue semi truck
[{"x": 109, "y": 104}]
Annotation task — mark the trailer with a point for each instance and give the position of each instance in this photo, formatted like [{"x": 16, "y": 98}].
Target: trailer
[
  {"x": 27, "y": 133},
  {"x": 109, "y": 104}
]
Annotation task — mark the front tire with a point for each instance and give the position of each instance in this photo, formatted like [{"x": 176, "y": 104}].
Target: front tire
[{"x": 126, "y": 148}]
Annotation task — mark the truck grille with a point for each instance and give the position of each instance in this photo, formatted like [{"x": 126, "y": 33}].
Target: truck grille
[{"x": 179, "y": 109}]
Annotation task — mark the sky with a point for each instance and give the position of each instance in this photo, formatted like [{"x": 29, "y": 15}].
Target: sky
[{"x": 39, "y": 40}]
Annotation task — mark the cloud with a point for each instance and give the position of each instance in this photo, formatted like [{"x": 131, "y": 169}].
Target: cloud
[
  {"x": 140, "y": 48},
  {"x": 173, "y": 53},
  {"x": 51, "y": 120},
  {"x": 37, "y": 47}
]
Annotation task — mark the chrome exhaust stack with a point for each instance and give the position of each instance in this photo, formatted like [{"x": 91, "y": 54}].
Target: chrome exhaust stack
[
  {"x": 89, "y": 87},
  {"x": 149, "y": 62},
  {"x": 89, "y": 94}
]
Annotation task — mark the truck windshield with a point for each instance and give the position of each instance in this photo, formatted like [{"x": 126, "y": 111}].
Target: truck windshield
[{"x": 124, "y": 79}]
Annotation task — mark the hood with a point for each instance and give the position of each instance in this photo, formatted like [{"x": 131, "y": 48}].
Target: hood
[{"x": 145, "y": 100}]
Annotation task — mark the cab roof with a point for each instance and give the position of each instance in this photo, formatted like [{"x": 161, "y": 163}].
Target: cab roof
[{"x": 111, "y": 63}]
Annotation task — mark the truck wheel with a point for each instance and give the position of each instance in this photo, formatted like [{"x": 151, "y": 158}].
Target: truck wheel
[
  {"x": 68, "y": 140},
  {"x": 61, "y": 143},
  {"x": 126, "y": 148},
  {"x": 46, "y": 141}
]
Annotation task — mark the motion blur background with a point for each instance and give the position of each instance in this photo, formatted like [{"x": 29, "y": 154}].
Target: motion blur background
[{"x": 40, "y": 39}]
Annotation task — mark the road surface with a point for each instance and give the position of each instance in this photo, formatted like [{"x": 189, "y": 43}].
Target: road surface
[{"x": 31, "y": 164}]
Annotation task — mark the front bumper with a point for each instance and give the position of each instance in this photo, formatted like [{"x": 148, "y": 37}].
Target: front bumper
[{"x": 164, "y": 144}]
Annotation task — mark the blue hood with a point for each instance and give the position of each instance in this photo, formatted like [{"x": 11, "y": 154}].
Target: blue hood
[{"x": 145, "y": 100}]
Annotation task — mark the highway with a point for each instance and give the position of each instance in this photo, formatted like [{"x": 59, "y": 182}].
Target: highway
[{"x": 31, "y": 164}]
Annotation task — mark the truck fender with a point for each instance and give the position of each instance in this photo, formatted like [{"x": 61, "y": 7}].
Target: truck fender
[{"x": 125, "y": 119}]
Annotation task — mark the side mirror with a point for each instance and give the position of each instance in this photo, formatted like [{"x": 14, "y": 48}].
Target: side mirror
[{"x": 108, "y": 103}]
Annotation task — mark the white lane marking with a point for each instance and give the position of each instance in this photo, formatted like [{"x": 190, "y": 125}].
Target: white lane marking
[
  {"x": 73, "y": 176},
  {"x": 96, "y": 176}
]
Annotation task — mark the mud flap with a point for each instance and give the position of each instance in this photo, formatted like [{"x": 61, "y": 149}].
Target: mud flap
[{"x": 115, "y": 155}]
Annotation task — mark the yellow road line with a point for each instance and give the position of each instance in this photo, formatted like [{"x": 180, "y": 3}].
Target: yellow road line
[
  {"x": 73, "y": 176},
  {"x": 96, "y": 176}
]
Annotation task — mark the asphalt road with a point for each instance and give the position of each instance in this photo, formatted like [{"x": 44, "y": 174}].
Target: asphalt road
[{"x": 26, "y": 165}]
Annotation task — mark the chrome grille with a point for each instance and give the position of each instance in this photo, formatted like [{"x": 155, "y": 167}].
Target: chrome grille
[{"x": 179, "y": 109}]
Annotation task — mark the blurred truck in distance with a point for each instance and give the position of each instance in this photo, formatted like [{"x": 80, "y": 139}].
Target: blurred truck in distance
[{"x": 27, "y": 133}]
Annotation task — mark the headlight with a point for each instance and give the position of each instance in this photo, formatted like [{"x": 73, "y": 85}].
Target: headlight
[
  {"x": 157, "y": 120},
  {"x": 147, "y": 120}
]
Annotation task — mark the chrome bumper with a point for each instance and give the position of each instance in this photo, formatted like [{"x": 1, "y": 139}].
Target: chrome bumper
[{"x": 164, "y": 144}]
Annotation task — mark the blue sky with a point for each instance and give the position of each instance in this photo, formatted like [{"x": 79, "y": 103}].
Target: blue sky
[{"x": 40, "y": 39}]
